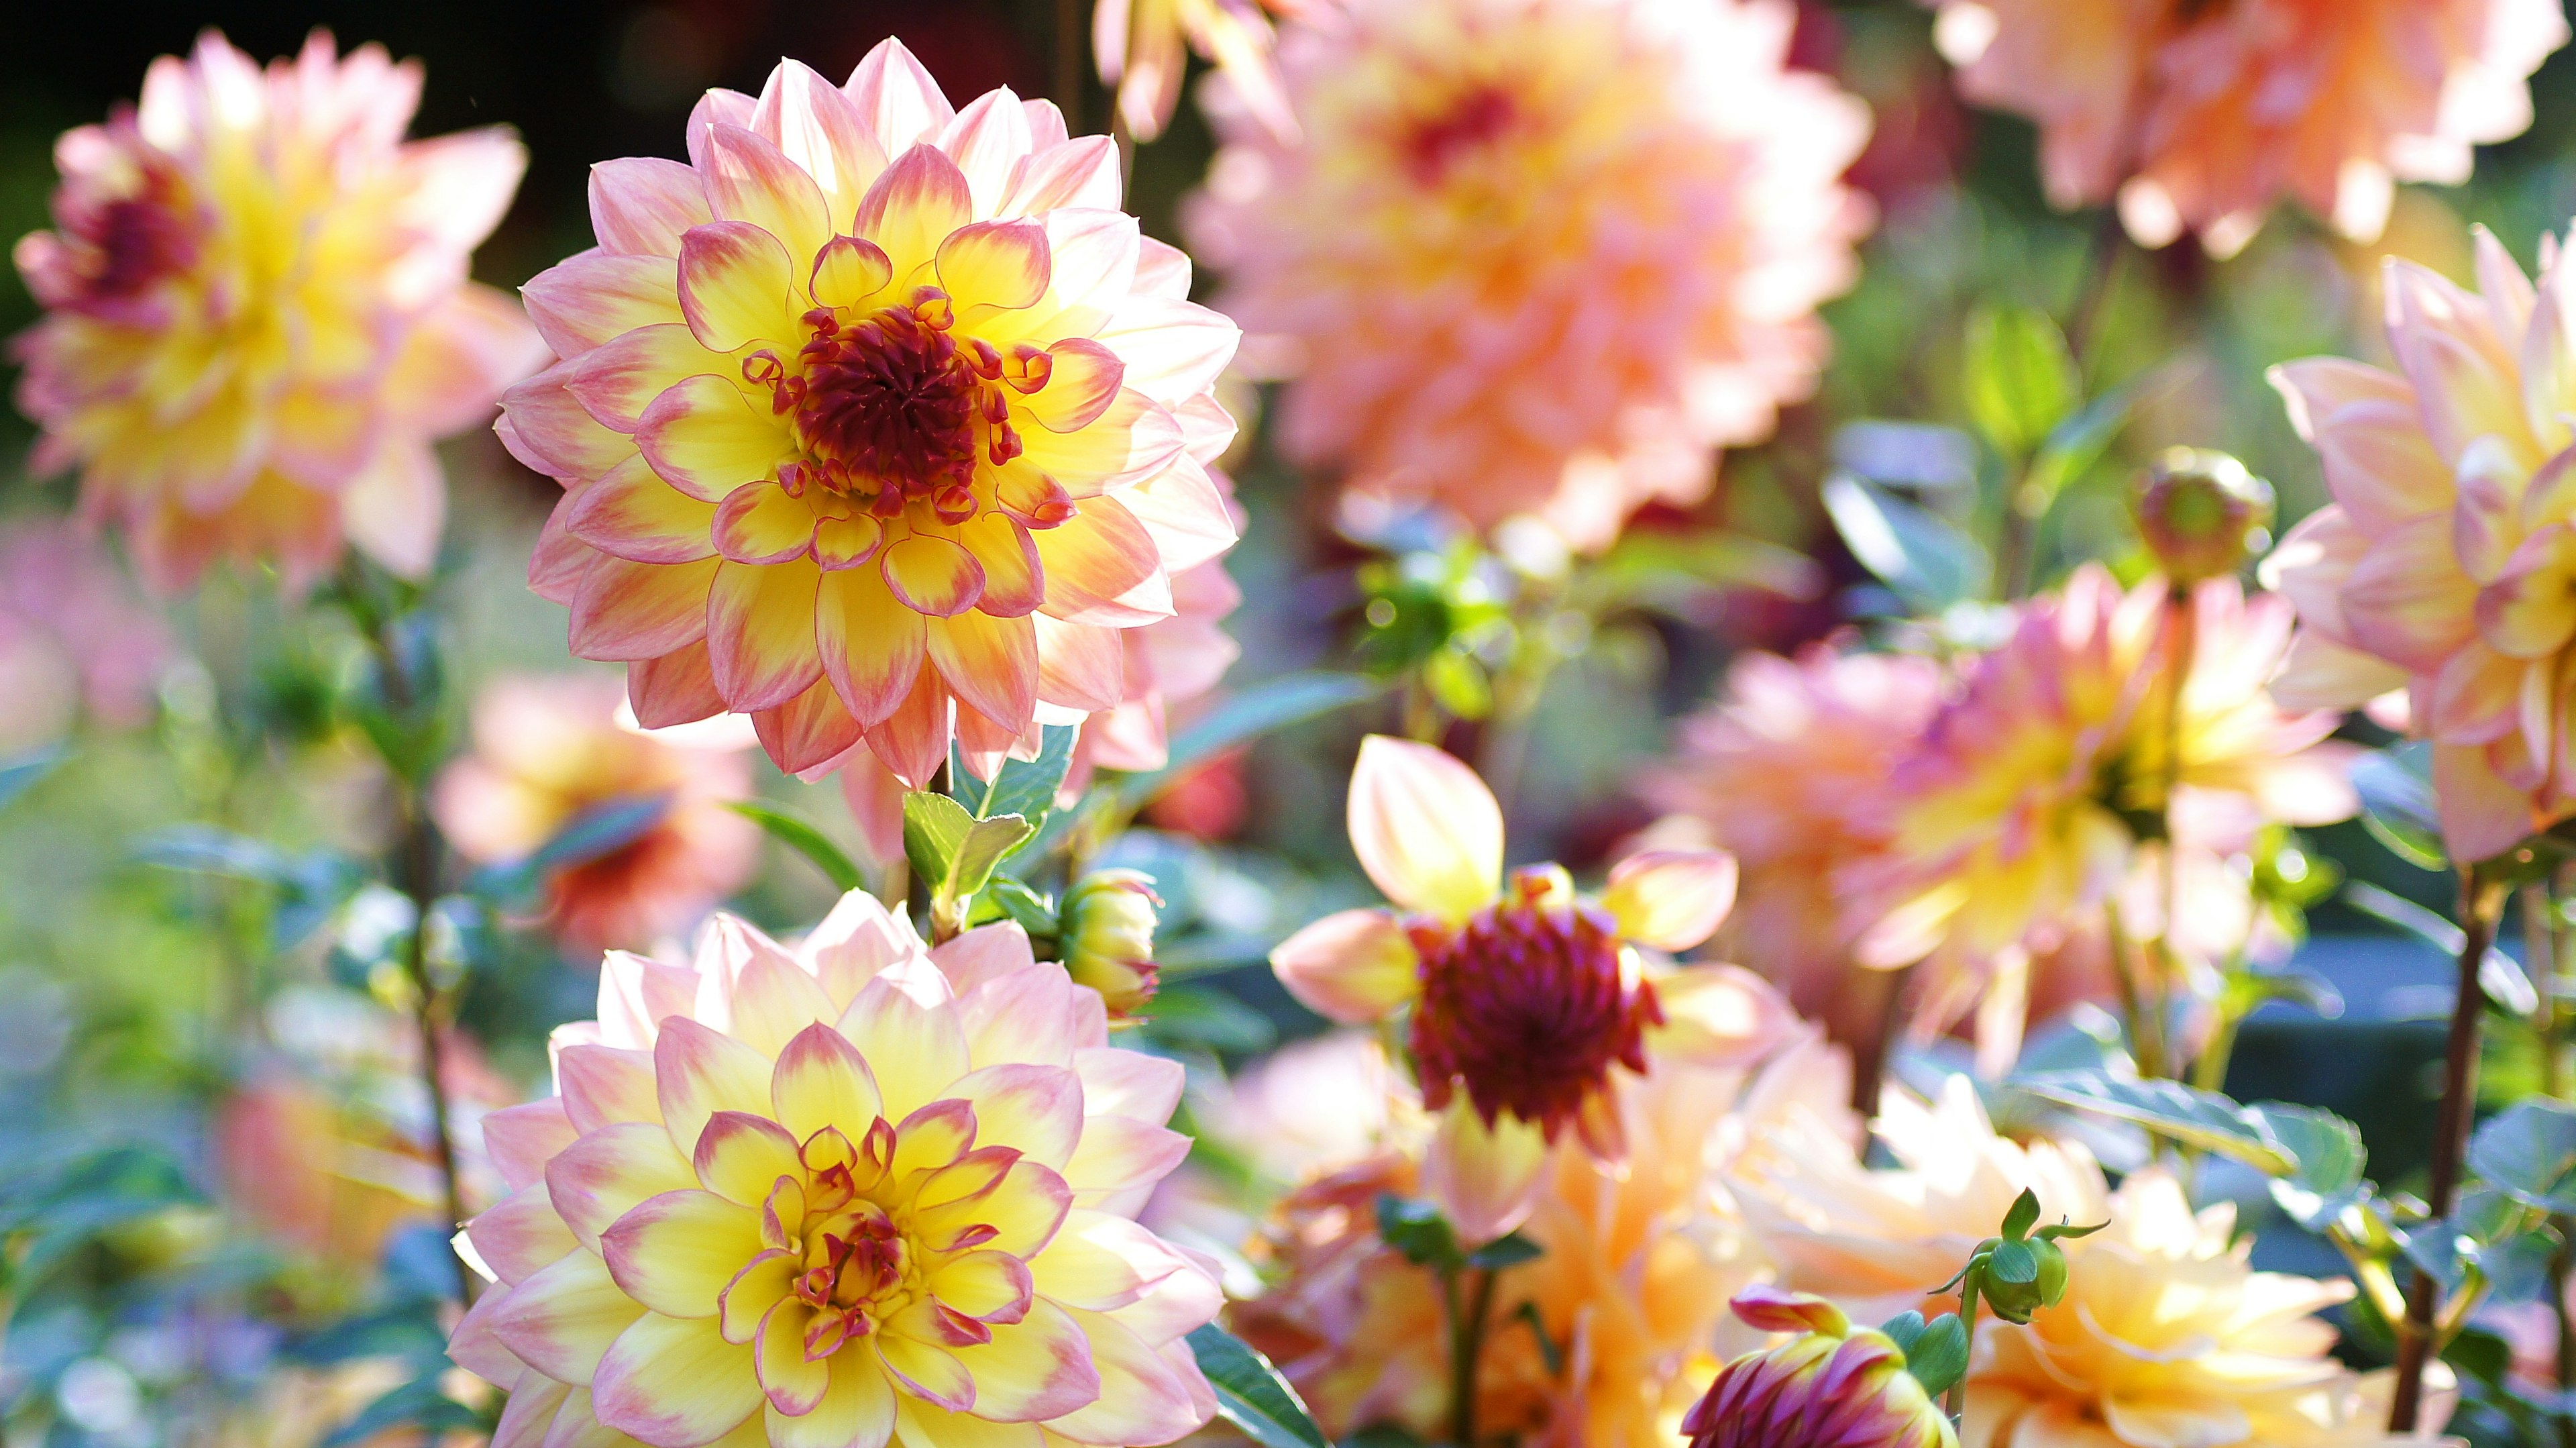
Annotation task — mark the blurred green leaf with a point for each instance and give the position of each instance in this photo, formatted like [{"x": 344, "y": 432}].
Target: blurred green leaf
[
  {"x": 49, "y": 1211},
  {"x": 1251, "y": 1394},
  {"x": 1667, "y": 570},
  {"x": 2528, "y": 1152},
  {"x": 1458, "y": 681},
  {"x": 20, "y": 772},
  {"x": 2397, "y": 803},
  {"x": 2328, "y": 1179},
  {"x": 2202, "y": 1119},
  {"x": 1211, "y": 1020},
  {"x": 1918, "y": 553},
  {"x": 1270, "y": 704},
  {"x": 420, "y": 1403},
  {"x": 1509, "y": 1250},
  {"x": 1004, "y": 898},
  {"x": 2499, "y": 976},
  {"x": 308, "y": 888},
  {"x": 1418, "y": 1232},
  {"x": 2078, "y": 441},
  {"x": 2020, "y": 379},
  {"x": 796, "y": 834}
]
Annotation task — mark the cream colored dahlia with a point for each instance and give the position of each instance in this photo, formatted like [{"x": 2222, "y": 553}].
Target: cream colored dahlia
[
  {"x": 836, "y": 1194},
  {"x": 878, "y": 421},
  {"x": 1537, "y": 256},
  {"x": 257, "y": 314}
]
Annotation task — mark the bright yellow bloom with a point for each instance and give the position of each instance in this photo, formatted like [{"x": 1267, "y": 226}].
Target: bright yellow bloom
[
  {"x": 877, "y": 421},
  {"x": 830, "y": 1196},
  {"x": 257, "y": 314}
]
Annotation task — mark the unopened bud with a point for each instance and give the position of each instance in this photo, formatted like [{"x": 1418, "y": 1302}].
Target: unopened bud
[
  {"x": 2202, "y": 514},
  {"x": 1108, "y": 938},
  {"x": 1831, "y": 1386}
]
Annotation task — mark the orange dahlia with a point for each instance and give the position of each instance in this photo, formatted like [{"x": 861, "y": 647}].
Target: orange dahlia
[
  {"x": 877, "y": 421},
  {"x": 1537, "y": 256},
  {"x": 257, "y": 314}
]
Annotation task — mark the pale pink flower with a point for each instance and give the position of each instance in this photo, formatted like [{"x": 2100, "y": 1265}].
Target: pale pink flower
[
  {"x": 547, "y": 751},
  {"x": 257, "y": 314},
  {"x": 74, "y": 639},
  {"x": 1537, "y": 256},
  {"x": 837, "y": 1194}
]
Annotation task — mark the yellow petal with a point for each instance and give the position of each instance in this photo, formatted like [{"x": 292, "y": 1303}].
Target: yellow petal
[
  {"x": 675, "y": 1382},
  {"x": 857, "y": 1410},
  {"x": 821, "y": 1081},
  {"x": 677, "y": 1252},
  {"x": 1486, "y": 1178},
  {"x": 1353, "y": 967},
  {"x": 1671, "y": 899},
  {"x": 737, "y": 287},
  {"x": 914, "y": 1051},
  {"x": 741, "y": 1156},
  {"x": 1426, "y": 829}
]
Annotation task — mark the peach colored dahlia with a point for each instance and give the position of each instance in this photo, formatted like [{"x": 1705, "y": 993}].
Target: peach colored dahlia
[
  {"x": 1524, "y": 1000},
  {"x": 836, "y": 1194},
  {"x": 1538, "y": 256},
  {"x": 257, "y": 314},
  {"x": 876, "y": 416},
  {"x": 2444, "y": 564},
  {"x": 2199, "y": 117},
  {"x": 548, "y": 750}
]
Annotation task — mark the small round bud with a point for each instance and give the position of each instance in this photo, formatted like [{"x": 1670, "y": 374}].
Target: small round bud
[
  {"x": 1108, "y": 938},
  {"x": 2202, "y": 514}
]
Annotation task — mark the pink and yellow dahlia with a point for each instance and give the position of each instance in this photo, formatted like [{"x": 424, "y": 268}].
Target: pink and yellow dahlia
[
  {"x": 257, "y": 314},
  {"x": 838, "y": 1194},
  {"x": 877, "y": 421},
  {"x": 1829, "y": 1386},
  {"x": 1789, "y": 770},
  {"x": 1525, "y": 1000},
  {"x": 2199, "y": 117},
  {"x": 547, "y": 751},
  {"x": 1139, "y": 47},
  {"x": 2013, "y": 822},
  {"x": 1537, "y": 256},
  {"x": 74, "y": 639},
  {"x": 2445, "y": 564}
]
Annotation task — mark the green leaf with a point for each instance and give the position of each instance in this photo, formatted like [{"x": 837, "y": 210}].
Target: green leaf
[
  {"x": 1936, "y": 1352},
  {"x": 420, "y": 1403},
  {"x": 2397, "y": 806},
  {"x": 19, "y": 772},
  {"x": 987, "y": 844},
  {"x": 1509, "y": 1250},
  {"x": 1251, "y": 1394},
  {"x": 1417, "y": 1231},
  {"x": 2528, "y": 1151},
  {"x": 1548, "y": 1352},
  {"x": 934, "y": 830},
  {"x": 2202, "y": 1119},
  {"x": 2328, "y": 1180},
  {"x": 2023, "y": 1215},
  {"x": 308, "y": 887},
  {"x": 1211, "y": 1020},
  {"x": 1917, "y": 552},
  {"x": 2020, "y": 379},
  {"x": 1006, "y": 898},
  {"x": 2013, "y": 1261},
  {"x": 806, "y": 840},
  {"x": 52, "y": 1210},
  {"x": 1670, "y": 570},
  {"x": 1023, "y": 787},
  {"x": 2498, "y": 975},
  {"x": 1270, "y": 704},
  {"x": 2078, "y": 442},
  {"x": 1458, "y": 681}
]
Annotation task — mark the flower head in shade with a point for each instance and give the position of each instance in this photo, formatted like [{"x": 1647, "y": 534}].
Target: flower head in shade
[
  {"x": 1789, "y": 771},
  {"x": 74, "y": 640},
  {"x": 1537, "y": 256},
  {"x": 2199, "y": 118},
  {"x": 2014, "y": 822},
  {"x": 550, "y": 751},
  {"x": 833, "y": 1194},
  {"x": 1830, "y": 1386},
  {"x": 877, "y": 420},
  {"x": 257, "y": 314},
  {"x": 1524, "y": 999},
  {"x": 1139, "y": 46},
  {"x": 2443, "y": 566}
]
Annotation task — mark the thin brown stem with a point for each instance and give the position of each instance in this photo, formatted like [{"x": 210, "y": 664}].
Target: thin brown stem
[
  {"x": 1068, "y": 62},
  {"x": 2481, "y": 905},
  {"x": 1466, "y": 1348}
]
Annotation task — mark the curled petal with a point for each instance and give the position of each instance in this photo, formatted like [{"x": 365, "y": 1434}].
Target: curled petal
[
  {"x": 849, "y": 271},
  {"x": 737, "y": 285},
  {"x": 1671, "y": 899},
  {"x": 913, "y": 207},
  {"x": 763, "y": 523},
  {"x": 1002, "y": 264},
  {"x": 933, "y": 575},
  {"x": 1426, "y": 829}
]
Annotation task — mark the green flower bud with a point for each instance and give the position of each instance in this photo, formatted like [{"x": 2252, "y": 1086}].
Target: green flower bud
[
  {"x": 2202, "y": 514},
  {"x": 1108, "y": 937}
]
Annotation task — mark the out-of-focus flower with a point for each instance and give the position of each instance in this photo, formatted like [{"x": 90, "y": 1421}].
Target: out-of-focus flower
[
  {"x": 1790, "y": 771},
  {"x": 550, "y": 751},
  {"x": 1630, "y": 1286},
  {"x": 1108, "y": 941},
  {"x": 257, "y": 314},
  {"x": 1537, "y": 256},
  {"x": 1138, "y": 46},
  {"x": 1171, "y": 665},
  {"x": 1830, "y": 1386},
  {"x": 2444, "y": 565},
  {"x": 2201, "y": 513},
  {"x": 2012, "y": 822},
  {"x": 2200, "y": 117},
  {"x": 878, "y": 421},
  {"x": 73, "y": 638},
  {"x": 837, "y": 1193},
  {"x": 1525, "y": 1000}
]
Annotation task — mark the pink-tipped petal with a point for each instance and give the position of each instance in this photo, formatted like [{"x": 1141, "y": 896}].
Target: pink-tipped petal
[
  {"x": 1355, "y": 967},
  {"x": 1486, "y": 1178},
  {"x": 1671, "y": 899},
  {"x": 737, "y": 285},
  {"x": 1426, "y": 829}
]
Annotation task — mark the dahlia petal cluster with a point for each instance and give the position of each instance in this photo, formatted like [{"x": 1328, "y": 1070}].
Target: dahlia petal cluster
[
  {"x": 548, "y": 751},
  {"x": 837, "y": 1194},
  {"x": 1830, "y": 1386},
  {"x": 257, "y": 314},
  {"x": 1537, "y": 256},
  {"x": 2199, "y": 118},
  {"x": 2443, "y": 565},
  {"x": 1524, "y": 1001},
  {"x": 878, "y": 421}
]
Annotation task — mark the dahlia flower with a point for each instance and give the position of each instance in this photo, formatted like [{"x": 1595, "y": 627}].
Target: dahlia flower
[
  {"x": 2011, "y": 828},
  {"x": 1138, "y": 46},
  {"x": 1631, "y": 1284},
  {"x": 257, "y": 314},
  {"x": 836, "y": 1193},
  {"x": 548, "y": 751},
  {"x": 1525, "y": 999},
  {"x": 2199, "y": 117},
  {"x": 2441, "y": 567},
  {"x": 1537, "y": 256},
  {"x": 1830, "y": 1386},
  {"x": 1789, "y": 771},
  {"x": 74, "y": 640},
  {"x": 876, "y": 416}
]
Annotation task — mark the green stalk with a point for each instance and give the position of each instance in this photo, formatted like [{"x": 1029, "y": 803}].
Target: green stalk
[{"x": 1466, "y": 1347}]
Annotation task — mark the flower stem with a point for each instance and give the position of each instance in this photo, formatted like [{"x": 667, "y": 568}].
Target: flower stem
[
  {"x": 1955, "y": 1402},
  {"x": 2182, "y": 638},
  {"x": 2481, "y": 903},
  {"x": 1882, "y": 994},
  {"x": 1068, "y": 62},
  {"x": 1466, "y": 1347}
]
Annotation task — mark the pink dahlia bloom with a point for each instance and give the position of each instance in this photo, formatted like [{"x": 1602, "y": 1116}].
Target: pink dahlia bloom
[
  {"x": 2199, "y": 118},
  {"x": 74, "y": 639},
  {"x": 1538, "y": 256},
  {"x": 549, "y": 750},
  {"x": 826, "y": 1195},
  {"x": 257, "y": 314},
  {"x": 878, "y": 422},
  {"x": 1526, "y": 1001},
  {"x": 2445, "y": 564}
]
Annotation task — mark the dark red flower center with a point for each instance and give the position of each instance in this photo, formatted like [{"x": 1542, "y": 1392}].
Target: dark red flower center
[
  {"x": 1431, "y": 145},
  {"x": 1528, "y": 1005}
]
